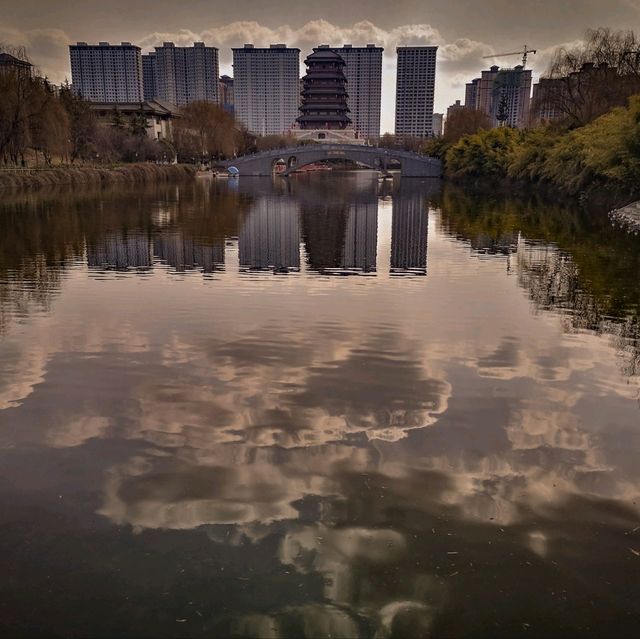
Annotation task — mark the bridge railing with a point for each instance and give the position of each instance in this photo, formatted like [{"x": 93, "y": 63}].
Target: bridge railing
[{"x": 331, "y": 147}]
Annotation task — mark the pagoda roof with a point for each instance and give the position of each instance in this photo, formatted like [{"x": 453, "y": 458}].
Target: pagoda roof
[
  {"x": 324, "y": 106},
  {"x": 324, "y": 118},
  {"x": 324, "y": 55},
  {"x": 324, "y": 91},
  {"x": 324, "y": 74}
]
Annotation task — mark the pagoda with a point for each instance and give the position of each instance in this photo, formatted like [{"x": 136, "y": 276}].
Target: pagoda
[{"x": 324, "y": 110}]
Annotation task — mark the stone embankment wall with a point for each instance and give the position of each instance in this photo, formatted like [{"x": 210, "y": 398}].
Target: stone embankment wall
[
  {"x": 628, "y": 217},
  {"x": 93, "y": 175}
]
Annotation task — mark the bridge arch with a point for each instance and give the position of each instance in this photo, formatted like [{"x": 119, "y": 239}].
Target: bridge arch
[
  {"x": 375, "y": 163},
  {"x": 377, "y": 158}
]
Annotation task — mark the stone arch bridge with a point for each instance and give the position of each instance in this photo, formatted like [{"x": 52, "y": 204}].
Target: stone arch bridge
[{"x": 381, "y": 159}]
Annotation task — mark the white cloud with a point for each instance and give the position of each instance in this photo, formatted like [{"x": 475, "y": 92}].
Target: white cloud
[{"x": 458, "y": 61}]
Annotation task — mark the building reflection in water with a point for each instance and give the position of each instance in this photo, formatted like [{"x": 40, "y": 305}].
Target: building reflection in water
[
  {"x": 361, "y": 237},
  {"x": 339, "y": 230},
  {"x": 409, "y": 229},
  {"x": 120, "y": 251},
  {"x": 183, "y": 253},
  {"x": 137, "y": 250},
  {"x": 270, "y": 236},
  {"x": 339, "y": 225}
]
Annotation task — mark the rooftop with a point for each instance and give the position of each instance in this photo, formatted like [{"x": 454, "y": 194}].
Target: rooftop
[{"x": 6, "y": 59}]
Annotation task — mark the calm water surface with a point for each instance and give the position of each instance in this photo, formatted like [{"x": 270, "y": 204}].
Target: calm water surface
[{"x": 317, "y": 408}]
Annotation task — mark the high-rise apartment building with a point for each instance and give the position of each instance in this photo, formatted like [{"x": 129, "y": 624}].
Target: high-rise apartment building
[
  {"x": 456, "y": 106},
  {"x": 471, "y": 94},
  {"x": 107, "y": 73},
  {"x": 180, "y": 75},
  {"x": 266, "y": 87},
  {"x": 226, "y": 94},
  {"x": 438, "y": 124},
  {"x": 546, "y": 99},
  {"x": 505, "y": 95},
  {"x": 149, "y": 76},
  {"x": 363, "y": 70},
  {"x": 415, "y": 85}
]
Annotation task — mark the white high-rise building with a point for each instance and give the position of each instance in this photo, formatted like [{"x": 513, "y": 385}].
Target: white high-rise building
[
  {"x": 266, "y": 86},
  {"x": 149, "y": 76},
  {"x": 363, "y": 70},
  {"x": 415, "y": 85},
  {"x": 180, "y": 75},
  {"x": 107, "y": 73}
]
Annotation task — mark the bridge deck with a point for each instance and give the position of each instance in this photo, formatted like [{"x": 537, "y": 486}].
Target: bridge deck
[{"x": 411, "y": 164}]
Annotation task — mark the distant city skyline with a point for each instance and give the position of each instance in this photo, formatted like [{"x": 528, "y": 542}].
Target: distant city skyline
[{"x": 464, "y": 31}]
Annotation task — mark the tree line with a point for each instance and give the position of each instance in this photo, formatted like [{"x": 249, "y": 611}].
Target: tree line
[
  {"x": 41, "y": 124},
  {"x": 593, "y": 140}
]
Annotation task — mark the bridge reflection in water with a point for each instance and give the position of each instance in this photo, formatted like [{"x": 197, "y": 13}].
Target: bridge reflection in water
[{"x": 287, "y": 229}]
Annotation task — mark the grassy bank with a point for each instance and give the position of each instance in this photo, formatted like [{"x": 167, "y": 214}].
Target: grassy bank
[
  {"x": 602, "y": 155},
  {"x": 94, "y": 175}
]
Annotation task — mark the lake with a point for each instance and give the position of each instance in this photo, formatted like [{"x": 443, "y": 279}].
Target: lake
[{"x": 317, "y": 407}]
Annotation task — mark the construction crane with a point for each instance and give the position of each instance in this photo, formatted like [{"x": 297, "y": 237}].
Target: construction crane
[{"x": 523, "y": 53}]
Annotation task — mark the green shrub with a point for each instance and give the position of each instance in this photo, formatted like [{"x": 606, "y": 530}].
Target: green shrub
[{"x": 602, "y": 154}]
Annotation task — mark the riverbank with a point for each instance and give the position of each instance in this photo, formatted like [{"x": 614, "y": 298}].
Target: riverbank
[
  {"x": 22, "y": 179},
  {"x": 600, "y": 157}
]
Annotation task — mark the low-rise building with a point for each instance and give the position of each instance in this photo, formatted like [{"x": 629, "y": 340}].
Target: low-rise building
[
  {"x": 159, "y": 116},
  {"x": 11, "y": 64}
]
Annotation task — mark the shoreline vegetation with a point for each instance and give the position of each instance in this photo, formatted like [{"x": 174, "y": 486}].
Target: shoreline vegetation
[
  {"x": 583, "y": 136},
  {"x": 141, "y": 173},
  {"x": 602, "y": 157}
]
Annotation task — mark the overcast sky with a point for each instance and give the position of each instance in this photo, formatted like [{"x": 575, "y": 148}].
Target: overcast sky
[{"x": 465, "y": 30}]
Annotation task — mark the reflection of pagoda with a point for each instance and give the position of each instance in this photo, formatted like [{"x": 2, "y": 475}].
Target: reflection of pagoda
[{"x": 324, "y": 110}]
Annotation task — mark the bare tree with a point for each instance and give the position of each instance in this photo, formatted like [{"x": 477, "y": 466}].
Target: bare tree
[
  {"x": 464, "y": 121},
  {"x": 589, "y": 80},
  {"x": 205, "y": 129}
]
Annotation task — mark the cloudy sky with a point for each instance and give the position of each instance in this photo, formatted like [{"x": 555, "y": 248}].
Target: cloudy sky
[{"x": 465, "y": 30}]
